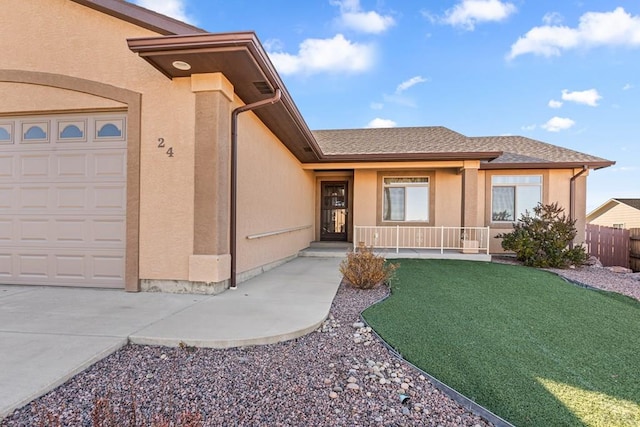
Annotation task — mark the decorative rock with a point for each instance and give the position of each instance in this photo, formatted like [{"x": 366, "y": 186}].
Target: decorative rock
[
  {"x": 327, "y": 381},
  {"x": 333, "y": 395},
  {"x": 619, "y": 269},
  {"x": 332, "y": 365},
  {"x": 405, "y": 411},
  {"x": 368, "y": 394},
  {"x": 163, "y": 356},
  {"x": 352, "y": 380},
  {"x": 358, "y": 325},
  {"x": 404, "y": 386},
  {"x": 338, "y": 389},
  {"x": 353, "y": 386},
  {"x": 383, "y": 381}
]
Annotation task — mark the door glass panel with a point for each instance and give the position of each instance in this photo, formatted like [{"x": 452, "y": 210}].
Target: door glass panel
[{"x": 333, "y": 216}]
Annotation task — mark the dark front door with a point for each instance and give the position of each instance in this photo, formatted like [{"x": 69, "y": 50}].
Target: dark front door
[{"x": 333, "y": 214}]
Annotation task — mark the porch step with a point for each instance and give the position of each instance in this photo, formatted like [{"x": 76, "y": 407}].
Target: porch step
[{"x": 326, "y": 249}]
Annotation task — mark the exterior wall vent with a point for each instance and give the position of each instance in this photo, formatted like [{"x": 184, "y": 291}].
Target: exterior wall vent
[{"x": 263, "y": 87}]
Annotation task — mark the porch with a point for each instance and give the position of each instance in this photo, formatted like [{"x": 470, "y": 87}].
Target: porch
[{"x": 465, "y": 243}]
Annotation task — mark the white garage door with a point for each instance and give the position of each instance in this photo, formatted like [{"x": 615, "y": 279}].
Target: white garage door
[{"x": 62, "y": 200}]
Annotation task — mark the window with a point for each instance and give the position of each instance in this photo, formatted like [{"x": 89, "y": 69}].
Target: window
[
  {"x": 405, "y": 199},
  {"x": 513, "y": 195}
]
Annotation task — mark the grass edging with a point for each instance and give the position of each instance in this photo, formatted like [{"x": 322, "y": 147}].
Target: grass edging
[{"x": 458, "y": 397}]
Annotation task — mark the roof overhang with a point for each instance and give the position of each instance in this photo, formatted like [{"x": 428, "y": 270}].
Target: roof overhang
[
  {"x": 243, "y": 61},
  {"x": 548, "y": 165}
]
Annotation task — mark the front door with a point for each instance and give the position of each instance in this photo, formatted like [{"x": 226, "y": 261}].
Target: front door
[{"x": 333, "y": 214}]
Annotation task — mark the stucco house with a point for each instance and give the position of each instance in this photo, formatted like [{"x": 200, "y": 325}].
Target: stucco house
[
  {"x": 140, "y": 152},
  {"x": 616, "y": 213}
]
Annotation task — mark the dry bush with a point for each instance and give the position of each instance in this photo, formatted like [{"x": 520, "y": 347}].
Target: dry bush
[{"x": 365, "y": 270}]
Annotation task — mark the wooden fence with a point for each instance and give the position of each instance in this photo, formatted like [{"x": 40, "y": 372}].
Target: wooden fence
[
  {"x": 634, "y": 249},
  {"x": 610, "y": 245}
]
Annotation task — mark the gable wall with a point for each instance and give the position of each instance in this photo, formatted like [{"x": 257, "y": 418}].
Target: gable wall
[{"x": 619, "y": 214}]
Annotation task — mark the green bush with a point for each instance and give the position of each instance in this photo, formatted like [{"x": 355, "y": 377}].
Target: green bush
[
  {"x": 365, "y": 270},
  {"x": 543, "y": 239}
]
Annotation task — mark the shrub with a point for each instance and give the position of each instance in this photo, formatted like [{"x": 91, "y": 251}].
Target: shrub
[
  {"x": 543, "y": 239},
  {"x": 365, "y": 270}
]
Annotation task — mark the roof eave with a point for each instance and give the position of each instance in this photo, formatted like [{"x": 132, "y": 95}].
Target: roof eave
[
  {"x": 548, "y": 165},
  {"x": 303, "y": 146}
]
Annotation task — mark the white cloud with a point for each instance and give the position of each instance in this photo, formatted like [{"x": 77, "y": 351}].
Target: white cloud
[
  {"x": 587, "y": 97},
  {"x": 468, "y": 13},
  {"x": 529, "y": 127},
  {"x": 552, "y": 18},
  {"x": 376, "y": 105},
  {"x": 616, "y": 28},
  {"x": 555, "y": 104},
  {"x": 172, "y": 8},
  {"x": 381, "y": 123},
  {"x": 411, "y": 82},
  {"x": 335, "y": 55},
  {"x": 556, "y": 124},
  {"x": 353, "y": 17},
  {"x": 627, "y": 86}
]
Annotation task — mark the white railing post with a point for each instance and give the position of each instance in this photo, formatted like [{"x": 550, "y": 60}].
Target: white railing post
[
  {"x": 355, "y": 237},
  {"x": 488, "y": 232},
  {"x": 397, "y": 239},
  {"x": 442, "y": 239}
]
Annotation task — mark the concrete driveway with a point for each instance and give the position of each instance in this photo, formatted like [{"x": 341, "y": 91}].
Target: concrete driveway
[{"x": 47, "y": 334}]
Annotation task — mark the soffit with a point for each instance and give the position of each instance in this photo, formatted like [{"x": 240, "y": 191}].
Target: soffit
[{"x": 240, "y": 57}]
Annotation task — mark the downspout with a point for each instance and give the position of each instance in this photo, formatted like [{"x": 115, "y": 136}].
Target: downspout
[
  {"x": 234, "y": 177},
  {"x": 572, "y": 196}
]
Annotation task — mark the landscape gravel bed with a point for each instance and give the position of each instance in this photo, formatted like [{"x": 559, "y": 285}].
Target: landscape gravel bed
[
  {"x": 604, "y": 278},
  {"x": 338, "y": 375}
]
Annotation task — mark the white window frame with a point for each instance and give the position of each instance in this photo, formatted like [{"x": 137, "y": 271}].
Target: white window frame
[
  {"x": 424, "y": 184},
  {"x": 517, "y": 181}
]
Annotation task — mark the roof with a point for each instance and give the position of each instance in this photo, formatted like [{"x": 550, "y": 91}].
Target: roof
[
  {"x": 140, "y": 16},
  {"x": 244, "y": 62},
  {"x": 427, "y": 143},
  {"x": 634, "y": 203},
  {"x": 437, "y": 142}
]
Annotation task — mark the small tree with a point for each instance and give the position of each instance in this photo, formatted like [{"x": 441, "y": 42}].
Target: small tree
[{"x": 543, "y": 239}]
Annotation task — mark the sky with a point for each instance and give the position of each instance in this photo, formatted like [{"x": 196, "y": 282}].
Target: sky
[{"x": 564, "y": 72}]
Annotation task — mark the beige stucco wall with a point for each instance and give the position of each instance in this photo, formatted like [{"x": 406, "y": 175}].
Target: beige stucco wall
[
  {"x": 447, "y": 191},
  {"x": 274, "y": 194},
  {"x": 65, "y": 38}
]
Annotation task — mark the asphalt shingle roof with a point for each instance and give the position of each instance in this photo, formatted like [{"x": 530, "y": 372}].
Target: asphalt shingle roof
[
  {"x": 634, "y": 203},
  {"x": 440, "y": 140}
]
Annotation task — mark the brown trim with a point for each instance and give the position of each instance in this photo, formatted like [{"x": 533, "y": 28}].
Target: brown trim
[
  {"x": 140, "y": 16},
  {"x": 133, "y": 100},
  {"x": 547, "y": 165},
  {"x": 431, "y": 174}
]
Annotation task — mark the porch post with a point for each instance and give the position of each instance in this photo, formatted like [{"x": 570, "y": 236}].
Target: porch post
[{"x": 470, "y": 214}]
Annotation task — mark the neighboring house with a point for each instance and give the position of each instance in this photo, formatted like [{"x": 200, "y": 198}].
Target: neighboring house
[
  {"x": 617, "y": 213},
  {"x": 118, "y": 168}
]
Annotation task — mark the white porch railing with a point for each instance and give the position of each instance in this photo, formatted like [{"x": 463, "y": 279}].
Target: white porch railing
[{"x": 466, "y": 239}]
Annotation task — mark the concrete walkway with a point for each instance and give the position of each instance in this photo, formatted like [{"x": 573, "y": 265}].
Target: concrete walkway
[{"x": 47, "y": 335}]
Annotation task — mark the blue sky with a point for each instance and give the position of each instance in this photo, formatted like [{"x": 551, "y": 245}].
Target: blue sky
[{"x": 565, "y": 72}]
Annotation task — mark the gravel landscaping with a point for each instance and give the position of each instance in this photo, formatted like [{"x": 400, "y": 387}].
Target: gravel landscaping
[{"x": 338, "y": 375}]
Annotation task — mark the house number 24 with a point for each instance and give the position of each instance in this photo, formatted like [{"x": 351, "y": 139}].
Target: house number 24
[{"x": 161, "y": 144}]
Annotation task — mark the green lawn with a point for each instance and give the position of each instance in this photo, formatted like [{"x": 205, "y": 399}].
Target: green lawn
[{"x": 523, "y": 343}]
